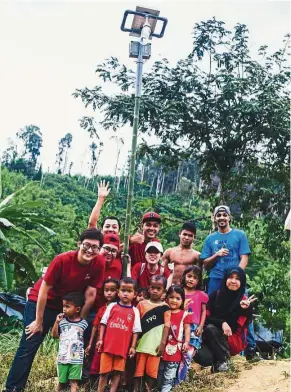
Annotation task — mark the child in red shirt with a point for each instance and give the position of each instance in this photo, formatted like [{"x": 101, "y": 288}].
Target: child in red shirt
[
  {"x": 110, "y": 287},
  {"x": 180, "y": 322},
  {"x": 119, "y": 328}
]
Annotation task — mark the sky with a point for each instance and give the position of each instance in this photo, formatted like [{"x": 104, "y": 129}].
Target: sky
[{"x": 50, "y": 48}]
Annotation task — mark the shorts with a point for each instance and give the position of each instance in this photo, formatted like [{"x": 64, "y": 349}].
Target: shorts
[
  {"x": 195, "y": 340},
  {"x": 69, "y": 371},
  {"x": 147, "y": 364},
  {"x": 110, "y": 362}
]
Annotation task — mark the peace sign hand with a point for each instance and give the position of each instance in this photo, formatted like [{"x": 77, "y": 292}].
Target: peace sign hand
[
  {"x": 245, "y": 303},
  {"x": 103, "y": 189}
]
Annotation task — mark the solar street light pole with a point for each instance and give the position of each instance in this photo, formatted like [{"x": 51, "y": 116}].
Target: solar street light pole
[{"x": 141, "y": 50}]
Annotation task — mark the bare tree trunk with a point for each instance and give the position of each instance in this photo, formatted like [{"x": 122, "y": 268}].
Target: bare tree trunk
[
  {"x": 142, "y": 172},
  {"x": 152, "y": 185},
  {"x": 163, "y": 182},
  {"x": 158, "y": 185}
]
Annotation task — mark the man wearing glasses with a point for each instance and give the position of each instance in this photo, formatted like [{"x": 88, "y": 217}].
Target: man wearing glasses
[{"x": 81, "y": 270}]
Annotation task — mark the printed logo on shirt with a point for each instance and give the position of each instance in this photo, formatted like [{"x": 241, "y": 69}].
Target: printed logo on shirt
[
  {"x": 129, "y": 317},
  {"x": 87, "y": 276},
  {"x": 119, "y": 324}
]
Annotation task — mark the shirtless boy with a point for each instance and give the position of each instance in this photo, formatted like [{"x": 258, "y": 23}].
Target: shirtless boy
[{"x": 183, "y": 255}]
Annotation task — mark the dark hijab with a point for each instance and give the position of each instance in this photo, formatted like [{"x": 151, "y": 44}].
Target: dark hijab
[{"x": 225, "y": 304}]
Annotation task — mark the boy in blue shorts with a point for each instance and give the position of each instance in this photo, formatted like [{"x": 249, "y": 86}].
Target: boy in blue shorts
[{"x": 70, "y": 327}]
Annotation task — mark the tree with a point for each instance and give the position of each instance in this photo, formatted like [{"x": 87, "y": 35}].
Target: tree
[
  {"x": 62, "y": 155},
  {"x": 12, "y": 216},
  {"x": 32, "y": 139},
  {"x": 218, "y": 104}
]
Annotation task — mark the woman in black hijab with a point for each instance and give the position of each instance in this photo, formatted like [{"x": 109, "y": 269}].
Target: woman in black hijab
[{"x": 228, "y": 315}]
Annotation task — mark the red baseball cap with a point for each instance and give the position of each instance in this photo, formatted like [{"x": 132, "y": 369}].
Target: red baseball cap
[
  {"x": 151, "y": 216},
  {"x": 111, "y": 239}
]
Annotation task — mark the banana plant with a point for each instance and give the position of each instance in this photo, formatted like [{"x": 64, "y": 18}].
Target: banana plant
[{"x": 14, "y": 218}]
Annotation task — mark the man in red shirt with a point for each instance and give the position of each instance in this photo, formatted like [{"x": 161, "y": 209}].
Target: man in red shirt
[
  {"x": 151, "y": 223},
  {"x": 81, "y": 270}
]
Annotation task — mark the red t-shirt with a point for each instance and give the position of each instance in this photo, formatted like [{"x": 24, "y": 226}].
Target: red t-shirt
[
  {"x": 143, "y": 278},
  {"x": 121, "y": 322},
  {"x": 137, "y": 252},
  {"x": 173, "y": 349},
  {"x": 99, "y": 315},
  {"x": 112, "y": 270},
  {"x": 66, "y": 275}
]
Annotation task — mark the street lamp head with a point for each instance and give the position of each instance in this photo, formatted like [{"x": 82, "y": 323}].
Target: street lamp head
[{"x": 144, "y": 23}]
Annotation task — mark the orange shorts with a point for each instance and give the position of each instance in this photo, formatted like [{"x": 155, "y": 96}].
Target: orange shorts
[
  {"x": 111, "y": 362},
  {"x": 147, "y": 364}
]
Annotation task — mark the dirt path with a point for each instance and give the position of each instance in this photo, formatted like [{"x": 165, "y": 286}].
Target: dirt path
[{"x": 266, "y": 376}]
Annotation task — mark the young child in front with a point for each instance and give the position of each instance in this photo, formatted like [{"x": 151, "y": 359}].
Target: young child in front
[
  {"x": 119, "y": 328},
  {"x": 155, "y": 324},
  {"x": 175, "y": 346},
  {"x": 70, "y": 327},
  {"x": 110, "y": 289},
  {"x": 195, "y": 304}
]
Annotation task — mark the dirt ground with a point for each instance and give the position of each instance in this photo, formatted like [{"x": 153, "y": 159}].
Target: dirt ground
[{"x": 265, "y": 376}]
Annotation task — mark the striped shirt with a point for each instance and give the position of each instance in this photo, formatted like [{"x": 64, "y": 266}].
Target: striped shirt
[{"x": 71, "y": 348}]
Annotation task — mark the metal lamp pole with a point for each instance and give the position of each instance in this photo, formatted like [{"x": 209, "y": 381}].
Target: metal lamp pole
[{"x": 141, "y": 50}]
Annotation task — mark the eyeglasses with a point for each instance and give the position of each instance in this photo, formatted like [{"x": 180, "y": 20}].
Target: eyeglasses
[
  {"x": 110, "y": 250},
  {"x": 87, "y": 246}
]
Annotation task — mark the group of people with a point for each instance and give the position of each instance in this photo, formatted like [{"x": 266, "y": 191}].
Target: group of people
[{"x": 146, "y": 328}]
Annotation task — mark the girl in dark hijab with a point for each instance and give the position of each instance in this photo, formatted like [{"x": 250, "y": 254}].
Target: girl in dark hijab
[{"x": 228, "y": 315}]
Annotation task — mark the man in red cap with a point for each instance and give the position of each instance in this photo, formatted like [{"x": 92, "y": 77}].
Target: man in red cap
[{"x": 151, "y": 223}]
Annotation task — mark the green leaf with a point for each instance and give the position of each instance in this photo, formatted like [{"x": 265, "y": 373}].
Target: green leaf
[
  {"x": 28, "y": 236},
  {"x": 5, "y": 222},
  {"x": 6, "y": 274},
  {"x": 50, "y": 231}
]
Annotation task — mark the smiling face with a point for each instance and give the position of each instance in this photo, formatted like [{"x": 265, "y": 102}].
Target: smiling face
[
  {"x": 152, "y": 255},
  {"x": 222, "y": 220},
  {"x": 109, "y": 252},
  {"x": 186, "y": 238},
  {"x": 110, "y": 226},
  {"x": 88, "y": 249},
  {"x": 150, "y": 229},
  {"x": 233, "y": 282},
  {"x": 174, "y": 300}
]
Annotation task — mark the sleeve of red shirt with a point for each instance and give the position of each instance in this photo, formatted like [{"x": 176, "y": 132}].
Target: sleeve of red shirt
[
  {"x": 99, "y": 315},
  {"x": 135, "y": 271},
  {"x": 99, "y": 271},
  {"x": 187, "y": 319},
  {"x": 54, "y": 271}
]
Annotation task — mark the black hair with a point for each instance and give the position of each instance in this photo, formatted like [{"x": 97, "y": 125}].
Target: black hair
[
  {"x": 92, "y": 234},
  {"x": 156, "y": 278},
  {"x": 113, "y": 218},
  {"x": 127, "y": 280},
  {"x": 189, "y": 226},
  {"x": 143, "y": 290},
  {"x": 197, "y": 272},
  {"x": 179, "y": 290},
  {"x": 77, "y": 298},
  {"x": 110, "y": 280}
]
